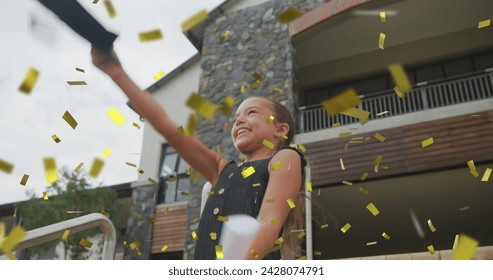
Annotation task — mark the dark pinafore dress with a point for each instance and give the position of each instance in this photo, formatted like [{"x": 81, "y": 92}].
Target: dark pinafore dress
[{"x": 233, "y": 194}]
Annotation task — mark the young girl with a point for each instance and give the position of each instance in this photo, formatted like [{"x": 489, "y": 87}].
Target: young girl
[{"x": 278, "y": 176}]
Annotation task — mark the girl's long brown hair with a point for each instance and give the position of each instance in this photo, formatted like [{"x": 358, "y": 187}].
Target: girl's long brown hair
[{"x": 291, "y": 246}]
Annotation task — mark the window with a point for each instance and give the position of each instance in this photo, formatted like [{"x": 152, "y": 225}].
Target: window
[{"x": 174, "y": 182}]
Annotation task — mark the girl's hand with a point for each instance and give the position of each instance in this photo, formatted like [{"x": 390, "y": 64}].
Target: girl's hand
[{"x": 107, "y": 62}]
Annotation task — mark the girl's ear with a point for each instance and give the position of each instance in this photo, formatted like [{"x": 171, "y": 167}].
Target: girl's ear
[{"x": 281, "y": 129}]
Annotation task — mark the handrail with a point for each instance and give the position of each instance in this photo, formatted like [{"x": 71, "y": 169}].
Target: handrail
[{"x": 55, "y": 231}]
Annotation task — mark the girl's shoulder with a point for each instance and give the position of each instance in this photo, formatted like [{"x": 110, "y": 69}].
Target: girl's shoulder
[{"x": 289, "y": 154}]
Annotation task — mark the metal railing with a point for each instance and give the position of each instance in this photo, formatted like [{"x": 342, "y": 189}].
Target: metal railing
[
  {"x": 55, "y": 231},
  {"x": 423, "y": 97}
]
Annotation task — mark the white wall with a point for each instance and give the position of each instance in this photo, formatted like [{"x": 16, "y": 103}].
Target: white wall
[
  {"x": 172, "y": 97},
  {"x": 242, "y": 4}
]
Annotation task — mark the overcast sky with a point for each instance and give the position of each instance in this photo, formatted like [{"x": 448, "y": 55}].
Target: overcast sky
[{"x": 27, "y": 122}]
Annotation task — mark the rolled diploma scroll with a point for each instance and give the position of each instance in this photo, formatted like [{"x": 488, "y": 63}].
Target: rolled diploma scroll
[{"x": 237, "y": 236}]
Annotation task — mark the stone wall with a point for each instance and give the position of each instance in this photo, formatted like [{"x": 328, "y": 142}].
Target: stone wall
[
  {"x": 256, "y": 43},
  {"x": 139, "y": 228}
]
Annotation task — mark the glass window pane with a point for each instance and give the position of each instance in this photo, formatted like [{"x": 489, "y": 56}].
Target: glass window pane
[
  {"x": 183, "y": 165},
  {"x": 183, "y": 186},
  {"x": 169, "y": 165},
  {"x": 170, "y": 192}
]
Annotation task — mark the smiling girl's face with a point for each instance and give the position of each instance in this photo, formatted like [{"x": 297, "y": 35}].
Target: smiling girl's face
[{"x": 250, "y": 126}]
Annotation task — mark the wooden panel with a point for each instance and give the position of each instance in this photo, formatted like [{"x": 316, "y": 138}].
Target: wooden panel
[
  {"x": 457, "y": 140},
  {"x": 169, "y": 229}
]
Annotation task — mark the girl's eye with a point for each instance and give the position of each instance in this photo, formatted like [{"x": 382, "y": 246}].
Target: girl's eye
[{"x": 252, "y": 112}]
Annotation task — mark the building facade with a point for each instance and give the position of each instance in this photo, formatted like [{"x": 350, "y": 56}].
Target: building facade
[{"x": 334, "y": 46}]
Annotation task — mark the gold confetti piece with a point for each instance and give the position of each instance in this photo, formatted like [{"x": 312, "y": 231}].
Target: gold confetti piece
[
  {"x": 79, "y": 70},
  {"x": 77, "y": 169},
  {"x": 279, "y": 241},
  {"x": 272, "y": 249},
  {"x": 347, "y": 183},
  {"x": 135, "y": 244},
  {"x": 345, "y": 228},
  {"x": 194, "y": 235},
  {"x": 379, "y": 137},
  {"x": 427, "y": 142},
  {"x": 302, "y": 258},
  {"x": 16, "y": 235},
  {"x": 151, "y": 35},
  {"x": 142, "y": 172},
  {"x": 371, "y": 243},
  {"x": 24, "y": 179},
  {"x": 256, "y": 84},
  {"x": 399, "y": 92},
  {"x": 382, "y": 17},
  {"x": 471, "y": 165},
  {"x": 300, "y": 235},
  {"x": 109, "y": 8},
  {"x": 51, "y": 173},
  {"x": 373, "y": 209},
  {"x": 269, "y": 119},
  {"x": 317, "y": 253},
  {"x": 55, "y": 138},
  {"x": 152, "y": 181},
  {"x": 276, "y": 166},
  {"x": 151, "y": 220},
  {"x": 45, "y": 196},
  {"x": 382, "y": 113},
  {"x": 136, "y": 125},
  {"x": 362, "y": 115},
  {"x": 130, "y": 164},
  {"x": 6, "y": 166},
  {"x": 431, "y": 226},
  {"x": 137, "y": 215},
  {"x": 15, "y": 213},
  {"x": 302, "y": 148},
  {"x": 342, "y": 102},
  {"x": 376, "y": 168},
  {"x": 456, "y": 242},
  {"x": 486, "y": 175},
  {"x": 337, "y": 124},
  {"x": 97, "y": 166},
  {"x": 342, "y": 164},
  {"x": 254, "y": 254},
  {"x": 85, "y": 243},
  {"x": 368, "y": 138},
  {"x": 358, "y": 138},
  {"x": 74, "y": 212},
  {"x": 229, "y": 102},
  {"x": 166, "y": 210},
  {"x": 386, "y": 236},
  {"x": 242, "y": 88},
  {"x": 290, "y": 14},
  {"x": 274, "y": 221},
  {"x": 270, "y": 200},
  {"x": 291, "y": 203},
  {"x": 474, "y": 173},
  {"x": 222, "y": 218},
  {"x": 181, "y": 130},
  {"x": 29, "y": 81},
  {"x": 377, "y": 160},
  {"x": 464, "y": 208},
  {"x": 256, "y": 185},
  {"x": 194, "y": 20},
  {"x": 164, "y": 248},
  {"x": 213, "y": 235},
  {"x": 278, "y": 89},
  {"x": 400, "y": 78},
  {"x": 95, "y": 1},
  {"x": 431, "y": 249},
  {"x": 196, "y": 175},
  {"x": 345, "y": 134},
  {"x": 116, "y": 116},
  {"x": 69, "y": 119},
  {"x": 107, "y": 152},
  {"x": 137, "y": 250},
  {"x": 381, "y": 40},
  {"x": 125, "y": 244},
  {"x": 103, "y": 212},
  {"x": 247, "y": 172},
  {"x": 77, "y": 83},
  {"x": 201, "y": 105},
  {"x": 363, "y": 191},
  {"x": 224, "y": 36},
  {"x": 484, "y": 23},
  {"x": 65, "y": 234},
  {"x": 324, "y": 226},
  {"x": 309, "y": 186},
  {"x": 184, "y": 193},
  {"x": 159, "y": 75},
  {"x": 363, "y": 176},
  {"x": 257, "y": 77}
]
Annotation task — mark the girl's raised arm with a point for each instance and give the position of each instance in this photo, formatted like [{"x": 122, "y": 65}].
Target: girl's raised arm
[{"x": 205, "y": 161}]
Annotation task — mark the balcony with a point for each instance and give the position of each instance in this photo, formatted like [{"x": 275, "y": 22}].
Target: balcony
[{"x": 424, "y": 96}]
